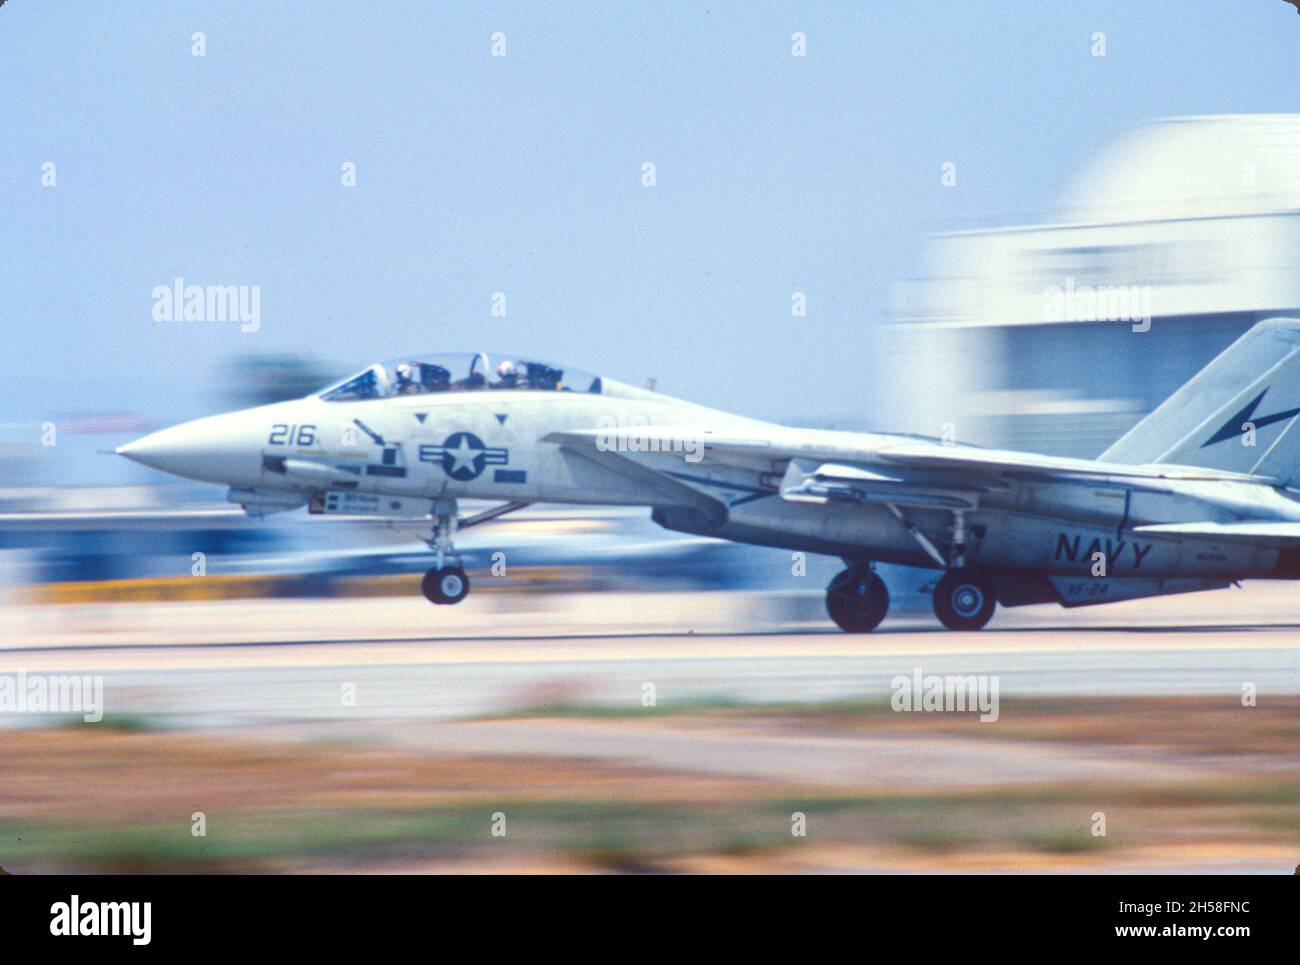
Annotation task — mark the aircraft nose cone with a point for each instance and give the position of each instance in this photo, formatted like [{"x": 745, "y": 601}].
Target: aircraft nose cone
[
  {"x": 217, "y": 449},
  {"x": 165, "y": 450},
  {"x": 138, "y": 451}
]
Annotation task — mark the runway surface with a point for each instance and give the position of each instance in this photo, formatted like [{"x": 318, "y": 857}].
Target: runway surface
[
  {"x": 240, "y": 663},
  {"x": 389, "y": 704}
]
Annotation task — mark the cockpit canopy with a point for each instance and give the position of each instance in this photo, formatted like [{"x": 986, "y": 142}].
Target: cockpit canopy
[{"x": 458, "y": 372}]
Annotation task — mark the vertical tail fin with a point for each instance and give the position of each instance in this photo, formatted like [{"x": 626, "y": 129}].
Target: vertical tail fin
[{"x": 1239, "y": 413}]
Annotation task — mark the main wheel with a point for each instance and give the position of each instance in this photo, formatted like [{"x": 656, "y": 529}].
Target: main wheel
[
  {"x": 857, "y": 600},
  {"x": 447, "y": 585},
  {"x": 964, "y": 599}
]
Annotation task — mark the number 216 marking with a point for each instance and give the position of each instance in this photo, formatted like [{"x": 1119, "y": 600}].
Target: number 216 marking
[{"x": 283, "y": 434}]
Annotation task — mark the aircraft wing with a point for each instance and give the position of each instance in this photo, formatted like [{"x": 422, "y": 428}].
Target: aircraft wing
[
  {"x": 1029, "y": 466},
  {"x": 611, "y": 455},
  {"x": 1278, "y": 533},
  {"x": 879, "y": 468}
]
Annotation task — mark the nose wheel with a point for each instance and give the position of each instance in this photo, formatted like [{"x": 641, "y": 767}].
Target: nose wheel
[
  {"x": 964, "y": 599},
  {"x": 857, "y": 599},
  {"x": 445, "y": 585}
]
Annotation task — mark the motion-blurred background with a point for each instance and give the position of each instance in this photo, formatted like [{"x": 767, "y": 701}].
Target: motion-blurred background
[
  {"x": 919, "y": 178},
  {"x": 1019, "y": 224}
]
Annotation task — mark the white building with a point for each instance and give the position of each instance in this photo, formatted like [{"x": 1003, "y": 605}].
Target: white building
[{"x": 1027, "y": 336}]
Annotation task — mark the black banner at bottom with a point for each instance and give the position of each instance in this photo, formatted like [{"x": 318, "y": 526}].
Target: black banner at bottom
[{"x": 333, "y": 914}]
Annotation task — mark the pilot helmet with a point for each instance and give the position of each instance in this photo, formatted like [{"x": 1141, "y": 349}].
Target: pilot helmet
[{"x": 505, "y": 369}]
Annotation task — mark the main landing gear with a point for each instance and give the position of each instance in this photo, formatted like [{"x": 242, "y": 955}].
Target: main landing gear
[
  {"x": 447, "y": 583},
  {"x": 857, "y": 599},
  {"x": 964, "y": 597}
]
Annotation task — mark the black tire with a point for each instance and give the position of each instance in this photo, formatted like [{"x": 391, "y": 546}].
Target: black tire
[
  {"x": 964, "y": 599},
  {"x": 857, "y": 601},
  {"x": 429, "y": 587},
  {"x": 445, "y": 586}
]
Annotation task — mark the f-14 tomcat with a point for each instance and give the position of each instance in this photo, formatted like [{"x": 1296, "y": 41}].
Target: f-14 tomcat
[{"x": 1196, "y": 496}]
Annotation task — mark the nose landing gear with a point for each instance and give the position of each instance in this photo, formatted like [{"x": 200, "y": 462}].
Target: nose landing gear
[
  {"x": 857, "y": 599},
  {"x": 447, "y": 583}
]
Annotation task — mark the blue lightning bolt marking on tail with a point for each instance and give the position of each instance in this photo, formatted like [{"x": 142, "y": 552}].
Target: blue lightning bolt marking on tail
[{"x": 1232, "y": 428}]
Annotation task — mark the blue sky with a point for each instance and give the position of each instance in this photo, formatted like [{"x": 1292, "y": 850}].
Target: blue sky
[{"x": 522, "y": 174}]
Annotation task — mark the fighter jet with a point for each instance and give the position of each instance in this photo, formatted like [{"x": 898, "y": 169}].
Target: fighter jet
[{"x": 1198, "y": 495}]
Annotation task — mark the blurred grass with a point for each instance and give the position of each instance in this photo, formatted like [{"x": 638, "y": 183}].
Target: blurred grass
[
  {"x": 632, "y": 836},
  {"x": 125, "y": 723},
  {"x": 1199, "y": 725},
  {"x": 704, "y": 706},
  {"x": 117, "y": 797},
  {"x": 614, "y": 835}
]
